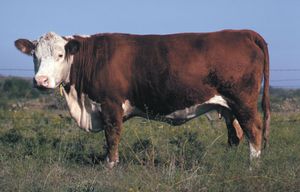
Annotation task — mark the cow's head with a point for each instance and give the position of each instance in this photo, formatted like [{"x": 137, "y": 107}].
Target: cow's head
[{"x": 52, "y": 57}]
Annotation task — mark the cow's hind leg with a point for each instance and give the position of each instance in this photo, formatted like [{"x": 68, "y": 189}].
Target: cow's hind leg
[
  {"x": 251, "y": 124},
  {"x": 255, "y": 137}
]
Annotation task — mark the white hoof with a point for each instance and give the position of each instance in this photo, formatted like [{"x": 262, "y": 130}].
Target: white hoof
[
  {"x": 111, "y": 164},
  {"x": 254, "y": 153}
]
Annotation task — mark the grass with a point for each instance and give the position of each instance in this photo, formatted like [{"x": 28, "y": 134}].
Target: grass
[{"x": 46, "y": 151}]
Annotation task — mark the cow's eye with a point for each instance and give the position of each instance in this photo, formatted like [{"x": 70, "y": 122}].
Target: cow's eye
[{"x": 60, "y": 55}]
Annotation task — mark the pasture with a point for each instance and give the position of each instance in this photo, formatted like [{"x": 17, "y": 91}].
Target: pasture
[{"x": 42, "y": 149}]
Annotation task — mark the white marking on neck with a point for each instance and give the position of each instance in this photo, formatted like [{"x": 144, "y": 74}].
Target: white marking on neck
[{"x": 84, "y": 111}]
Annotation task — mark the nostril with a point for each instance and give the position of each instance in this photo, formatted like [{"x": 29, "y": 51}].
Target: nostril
[
  {"x": 41, "y": 80},
  {"x": 45, "y": 80}
]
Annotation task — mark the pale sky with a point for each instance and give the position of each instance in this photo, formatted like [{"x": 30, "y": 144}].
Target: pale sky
[{"x": 278, "y": 21}]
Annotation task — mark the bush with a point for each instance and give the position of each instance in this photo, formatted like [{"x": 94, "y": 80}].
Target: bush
[
  {"x": 14, "y": 88},
  {"x": 12, "y": 136}
]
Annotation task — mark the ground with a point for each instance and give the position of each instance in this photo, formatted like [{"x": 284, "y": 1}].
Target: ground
[{"x": 42, "y": 149}]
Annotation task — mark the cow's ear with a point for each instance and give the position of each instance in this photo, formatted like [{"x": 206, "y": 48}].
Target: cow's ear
[
  {"x": 72, "y": 47},
  {"x": 25, "y": 46}
]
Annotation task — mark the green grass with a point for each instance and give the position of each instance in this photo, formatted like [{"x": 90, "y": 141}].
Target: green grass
[{"x": 46, "y": 151}]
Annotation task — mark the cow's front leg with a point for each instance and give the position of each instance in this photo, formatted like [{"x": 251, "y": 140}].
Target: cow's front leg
[{"x": 112, "y": 116}]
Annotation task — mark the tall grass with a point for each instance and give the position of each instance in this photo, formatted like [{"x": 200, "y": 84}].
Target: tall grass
[{"x": 46, "y": 151}]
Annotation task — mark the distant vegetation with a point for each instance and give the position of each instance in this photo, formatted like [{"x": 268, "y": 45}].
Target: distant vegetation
[
  {"x": 42, "y": 149},
  {"x": 287, "y": 100},
  {"x": 20, "y": 90},
  {"x": 17, "y": 88}
]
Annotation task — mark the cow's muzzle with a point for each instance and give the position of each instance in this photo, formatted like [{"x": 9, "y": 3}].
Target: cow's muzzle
[{"x": 41, "y": 82}]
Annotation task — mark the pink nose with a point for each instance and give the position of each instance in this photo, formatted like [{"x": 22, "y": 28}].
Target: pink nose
[{"x": 42, "y": 80}]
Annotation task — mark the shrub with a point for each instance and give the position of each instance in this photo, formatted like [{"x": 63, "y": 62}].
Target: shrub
[
  {"x": 12, "y": 136},
  {"x": 14, "y": 88}
]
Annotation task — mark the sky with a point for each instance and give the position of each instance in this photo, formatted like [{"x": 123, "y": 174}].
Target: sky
[{"x": 276, "y": 20}]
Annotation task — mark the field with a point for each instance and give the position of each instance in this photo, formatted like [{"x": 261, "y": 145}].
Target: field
[{"x": 42, "y": 149}]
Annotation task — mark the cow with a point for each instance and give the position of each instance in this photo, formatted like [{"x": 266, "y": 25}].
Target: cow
[{"x": 108, "y": 78}]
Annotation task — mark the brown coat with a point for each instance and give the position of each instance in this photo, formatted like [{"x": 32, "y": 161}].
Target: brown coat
[{"x": 160, "y": 74}]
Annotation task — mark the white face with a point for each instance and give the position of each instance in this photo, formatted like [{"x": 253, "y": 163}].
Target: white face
[
  {"x": 51, "y": 66},
  {"x": 49, "y": 55}
]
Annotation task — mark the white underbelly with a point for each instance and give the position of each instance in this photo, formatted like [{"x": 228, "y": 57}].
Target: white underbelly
[
  {"x": 198, "y": 109},
  {"x": 182, "y": 115}
]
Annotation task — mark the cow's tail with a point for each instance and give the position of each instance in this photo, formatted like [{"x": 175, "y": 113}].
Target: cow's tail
[{"x": 266, "y": 95}]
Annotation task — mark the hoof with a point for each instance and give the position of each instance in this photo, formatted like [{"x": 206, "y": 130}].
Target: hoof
[{"x": 111, "y": 164}]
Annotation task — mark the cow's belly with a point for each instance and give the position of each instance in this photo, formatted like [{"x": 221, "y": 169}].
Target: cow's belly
[
  {"x": 179, "y": 116},
  {"x": 87, "y": 113}
]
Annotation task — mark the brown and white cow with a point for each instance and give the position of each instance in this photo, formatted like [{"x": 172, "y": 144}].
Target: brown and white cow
[{"x": 109, "y": 78}]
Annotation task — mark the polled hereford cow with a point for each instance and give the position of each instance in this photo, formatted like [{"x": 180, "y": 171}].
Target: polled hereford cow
[{"x": 109, "y": 78}]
